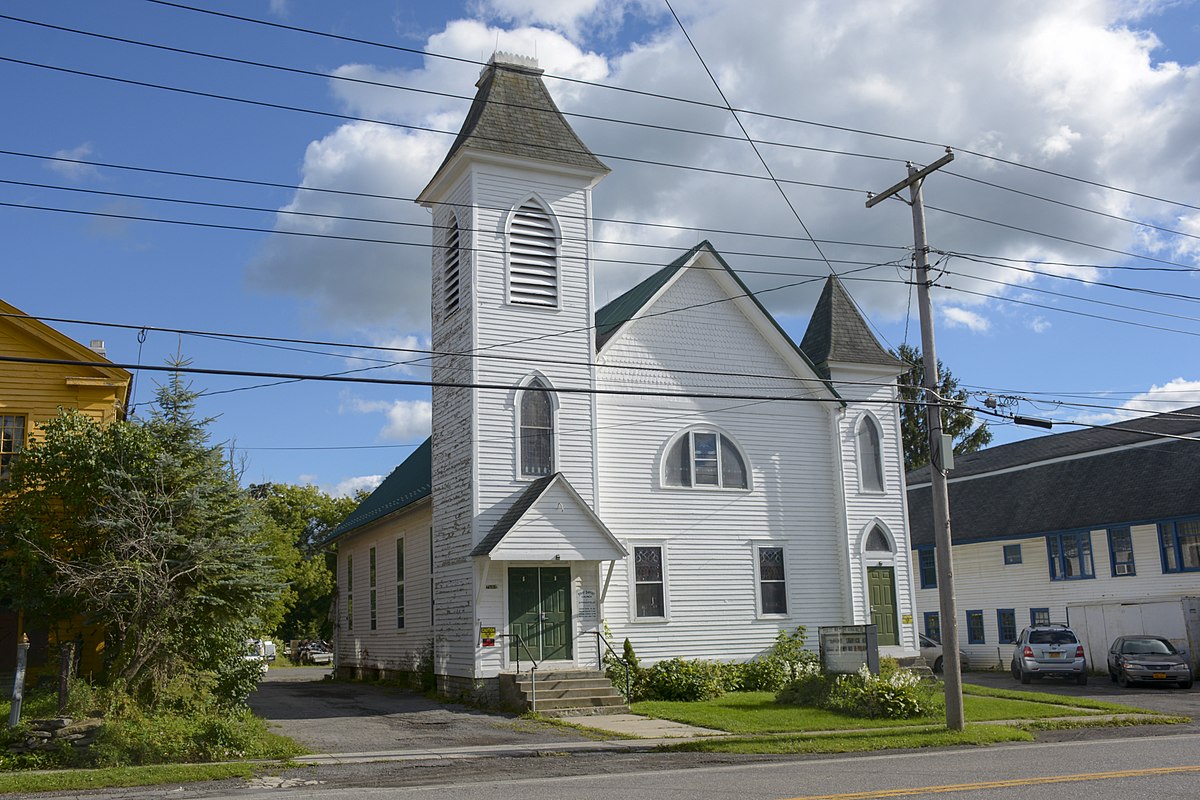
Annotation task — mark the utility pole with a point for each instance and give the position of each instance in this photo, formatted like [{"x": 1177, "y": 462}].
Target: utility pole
[{"x": 938, "y": 461}]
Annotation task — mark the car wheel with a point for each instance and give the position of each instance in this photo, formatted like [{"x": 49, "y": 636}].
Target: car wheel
[
  {"x": 1016, "y": 673},
  {"x": 937, "y": 666},
  {"x": 1185, "y": 684},
  {"x": 1026, "y": 677},
  {"x": 1112, "y": 676},
  {"x": 1081, "y": 679},
  {"x": 1123, "y": 680}
]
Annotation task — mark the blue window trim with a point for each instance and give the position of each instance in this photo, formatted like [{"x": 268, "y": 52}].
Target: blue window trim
[
  {"x": 1112, "y": 551},
  {"x": 1012, "y": 553},
  {"x": 928, "y": 570},
  {"x": 932, "y": 616},
  {"x": 1033, "y": 616},
  {"x": 1012, "y": 614},
  {"x": 971, "y": 637},
  {"x": 1171, "y": 525},
  {"x": 1056, "y": 571}
]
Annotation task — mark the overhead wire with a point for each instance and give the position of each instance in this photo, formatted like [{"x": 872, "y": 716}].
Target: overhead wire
[{"x": 661, "y": 96}]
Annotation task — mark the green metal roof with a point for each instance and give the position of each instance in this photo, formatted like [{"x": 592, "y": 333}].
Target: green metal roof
[{"x": 408, "y": 483}]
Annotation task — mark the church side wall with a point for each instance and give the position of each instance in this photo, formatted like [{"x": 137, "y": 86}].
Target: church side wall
[{"x": 387, "y": 648}]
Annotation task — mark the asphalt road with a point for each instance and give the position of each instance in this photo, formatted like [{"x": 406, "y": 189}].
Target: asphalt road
[
  {"x": 1166, "y": 699},
  {"x": 353, "y": 717}
]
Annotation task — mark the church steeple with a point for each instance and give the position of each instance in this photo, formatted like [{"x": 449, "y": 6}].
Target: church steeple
[
  {"x": 837, "y": 332},
  {"x": 513, "y": 116}
]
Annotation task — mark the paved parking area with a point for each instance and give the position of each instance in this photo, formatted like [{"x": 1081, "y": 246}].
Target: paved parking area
[
  {"x": 1165, "y": 699},
  {"x": 347, "y": 717}
]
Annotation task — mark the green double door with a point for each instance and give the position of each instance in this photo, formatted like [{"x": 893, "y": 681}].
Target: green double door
[
  {"x": 881, "y": 587},
  {"x": 539, "y": 611}
]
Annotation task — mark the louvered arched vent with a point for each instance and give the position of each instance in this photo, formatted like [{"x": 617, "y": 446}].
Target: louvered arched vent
[
  {"x": 532, "y": 257},
  {"x": 453, "y": 278}
]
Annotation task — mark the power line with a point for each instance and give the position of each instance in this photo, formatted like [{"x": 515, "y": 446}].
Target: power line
[
  {"x": 369, "y": 195},
  {"x": 433, "y": 92},
  {"x": 596, "y": 117},
  {"x": 1062, "y": 238},
  {"x": 660, "y": 96},
  {"x": 440, "y": 384},
  {"x": 406, "y": 126},
  {"x": 1070, "y": 311},
  {"x": 422, "y": 225}
]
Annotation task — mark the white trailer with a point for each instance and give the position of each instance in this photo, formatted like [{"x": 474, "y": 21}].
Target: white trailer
[{"x": 1175, "y": 618}]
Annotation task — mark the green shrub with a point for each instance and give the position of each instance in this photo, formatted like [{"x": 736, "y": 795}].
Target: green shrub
[
  {"x": 676, "y": 679},
  {"x": 894, "y": 694}
]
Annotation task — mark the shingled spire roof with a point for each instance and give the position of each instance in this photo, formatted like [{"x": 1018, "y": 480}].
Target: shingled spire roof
[
  {"x": 837, "y": 332},
  {"x": 513, "y": 115}
]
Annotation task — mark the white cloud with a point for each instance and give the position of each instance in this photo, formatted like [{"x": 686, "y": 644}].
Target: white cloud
[
  {"x": 407, "y": 420},
  {"x": 1070, "y": 86},
  {"x": 1039, "y": 324},
  {"x": 349, "y": 486},
  {"x": 1172, "y": 395},
  {"x": 962, "y": 318},
  {"x": 69, "y": 169}
]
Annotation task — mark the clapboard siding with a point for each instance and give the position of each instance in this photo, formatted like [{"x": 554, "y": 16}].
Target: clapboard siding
[
  {"x": 982, "y": 581},
  {"x": 870, "y": 394},
  {"x": 709, "y": 535},
  {"x": 386, "y": 647}
]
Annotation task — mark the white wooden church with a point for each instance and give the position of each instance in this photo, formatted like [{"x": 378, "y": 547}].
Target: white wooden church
[{"x": 622, "y": 470}]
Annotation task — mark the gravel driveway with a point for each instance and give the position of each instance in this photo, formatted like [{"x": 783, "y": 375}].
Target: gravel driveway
[{"x": 345, "y": 717}]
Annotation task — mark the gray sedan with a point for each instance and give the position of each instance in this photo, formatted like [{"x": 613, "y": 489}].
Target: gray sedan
[{"x": 1149, "y": 659}]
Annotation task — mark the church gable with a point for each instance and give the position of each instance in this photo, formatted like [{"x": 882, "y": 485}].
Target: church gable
[
  {"x": 550, "y": 522},
  {"x": 694, "y": 317}
]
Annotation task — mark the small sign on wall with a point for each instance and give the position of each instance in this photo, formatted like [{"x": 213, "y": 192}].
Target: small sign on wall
[
  {"x": 585, "y": 600},
  {"x": 907, "y": 619},
  {"x": 487, "y": 637}
]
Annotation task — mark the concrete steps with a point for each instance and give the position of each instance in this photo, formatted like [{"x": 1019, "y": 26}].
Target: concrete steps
[{"x": 562, "y": 693}]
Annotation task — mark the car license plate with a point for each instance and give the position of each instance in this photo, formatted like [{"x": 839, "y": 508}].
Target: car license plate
[
  {"x": 1054, "y": 655},
  {"x": 1160, "y": 675}
]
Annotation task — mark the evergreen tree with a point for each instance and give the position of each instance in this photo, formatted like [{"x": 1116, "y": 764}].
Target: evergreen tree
[
  {"x": 957, "y": 421},
  {"x": 142, "y": 528}
]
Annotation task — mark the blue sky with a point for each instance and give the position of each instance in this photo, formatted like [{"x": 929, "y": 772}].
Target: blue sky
[{"x": 1103, "y": 92}]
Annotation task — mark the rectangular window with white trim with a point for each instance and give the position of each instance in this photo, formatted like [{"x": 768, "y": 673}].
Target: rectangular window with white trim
[
  {"x": 772, "y": 583},
  {"x": 649, "y": 581}
]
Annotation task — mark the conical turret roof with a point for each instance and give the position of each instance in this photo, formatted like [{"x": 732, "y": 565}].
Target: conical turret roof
[{"x": 838, "y": 332}]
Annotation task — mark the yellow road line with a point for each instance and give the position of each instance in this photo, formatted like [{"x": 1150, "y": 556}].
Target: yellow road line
[{"x": 966, "y": 787}]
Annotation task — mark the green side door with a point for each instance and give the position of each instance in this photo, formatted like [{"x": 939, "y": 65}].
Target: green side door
[
  {"x": 539, "y": 612},
  {"x": 881, "y": 588}
]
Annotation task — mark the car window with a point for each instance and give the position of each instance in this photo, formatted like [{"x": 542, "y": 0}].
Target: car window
[
  {"x": 1147, "y": 647},
  {"x": 1052, "y": 637}
]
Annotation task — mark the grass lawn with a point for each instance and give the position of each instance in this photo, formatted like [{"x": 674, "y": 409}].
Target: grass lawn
[
  {"x": 860, "y": 741},
  {"x": 83, "y": 779},
  {"x": 757, "y": 712}
]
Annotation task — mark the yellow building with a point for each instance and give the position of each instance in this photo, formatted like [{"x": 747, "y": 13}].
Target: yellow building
[{"x": 30, "y": 394}]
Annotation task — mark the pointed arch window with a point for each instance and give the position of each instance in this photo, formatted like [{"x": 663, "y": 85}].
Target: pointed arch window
[
  {"x": 537, "y": 430},
  {"x": 532, "y": 257},
  {"x": 870, "y": 457},
  {"x": 877, "y": 541},
  {"x": 453, "y": 277},
  {"x": 703, "y": 458}
]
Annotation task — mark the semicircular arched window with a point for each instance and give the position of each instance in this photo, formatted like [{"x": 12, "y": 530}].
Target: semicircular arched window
[
  {"x": 537, "y": 430},
  {"x": 704, "y": 458},
  {"x": 532, "y": 257},
  {"x": 870, "y": 457}
]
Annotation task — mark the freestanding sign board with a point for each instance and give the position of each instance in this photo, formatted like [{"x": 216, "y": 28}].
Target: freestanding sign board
[{"x": 846, "y": 648}]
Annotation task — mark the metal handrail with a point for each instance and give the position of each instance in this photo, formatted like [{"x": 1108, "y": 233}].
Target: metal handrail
[
  {"x": 600, "y": 662},
  {"x": 532, "y": 669}
]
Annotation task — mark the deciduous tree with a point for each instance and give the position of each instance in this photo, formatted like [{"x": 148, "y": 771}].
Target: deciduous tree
[{"x": 958, "y": 422}]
